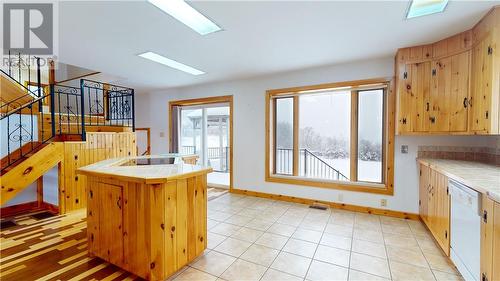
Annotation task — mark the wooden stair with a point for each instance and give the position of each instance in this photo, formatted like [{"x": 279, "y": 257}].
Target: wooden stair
[
  {"x": 30, "y": 169},
  {"x": 12, "y": 91},
  {"x": 19, "y": 155}
]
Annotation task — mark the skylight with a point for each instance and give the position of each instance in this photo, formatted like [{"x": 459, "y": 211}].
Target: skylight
[
  {"x": 420, "y": 8},
  {"x": 170, "y": 63},
  {"x": 186, "y": 14}
]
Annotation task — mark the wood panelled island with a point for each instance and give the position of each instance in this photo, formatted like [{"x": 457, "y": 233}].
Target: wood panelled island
[{"x": 147, "y": 215}]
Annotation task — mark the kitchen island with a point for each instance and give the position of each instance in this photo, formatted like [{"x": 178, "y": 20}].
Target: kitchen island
[{"x": 147, "y": 215}]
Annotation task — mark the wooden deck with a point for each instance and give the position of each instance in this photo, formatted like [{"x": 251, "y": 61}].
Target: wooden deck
[{"x": 54, "y": 248}]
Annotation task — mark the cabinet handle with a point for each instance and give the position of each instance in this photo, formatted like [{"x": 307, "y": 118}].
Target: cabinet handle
[
  {"x": 427, "y": 109},
  {"x": 470, "y": 102},
  {"x": 119, "y": 202},
  {"x": 486, "y": 115},
  {"x": 433, "y": 72},
  {"x": 433, "y": 119},
  {"x": 465, "y": 102}
]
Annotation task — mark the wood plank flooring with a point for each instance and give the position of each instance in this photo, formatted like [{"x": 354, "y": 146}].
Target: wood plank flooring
[{"x": 52, "y": 249}]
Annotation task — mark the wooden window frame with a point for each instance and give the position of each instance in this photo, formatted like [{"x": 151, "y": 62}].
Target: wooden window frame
[{"x": 387, "y": 185}]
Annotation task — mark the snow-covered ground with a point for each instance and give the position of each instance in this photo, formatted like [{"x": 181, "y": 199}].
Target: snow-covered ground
[{"x": 369, "y": 171}]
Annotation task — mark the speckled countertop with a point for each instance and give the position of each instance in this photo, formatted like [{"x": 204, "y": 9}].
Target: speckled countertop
[{"x": 482, "y": 177}]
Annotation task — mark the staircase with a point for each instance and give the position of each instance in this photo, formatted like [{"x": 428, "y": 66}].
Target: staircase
[{"x": 35, "y": 119}]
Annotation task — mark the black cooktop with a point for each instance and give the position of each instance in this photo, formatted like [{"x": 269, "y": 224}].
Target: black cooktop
[{"x": 149, "y": 161}]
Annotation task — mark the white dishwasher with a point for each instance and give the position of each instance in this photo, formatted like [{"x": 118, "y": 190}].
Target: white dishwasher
[{"x": 465, "y": 230}]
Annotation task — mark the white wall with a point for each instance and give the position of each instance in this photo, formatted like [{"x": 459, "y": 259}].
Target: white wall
[{"x": 249, "y": 131}]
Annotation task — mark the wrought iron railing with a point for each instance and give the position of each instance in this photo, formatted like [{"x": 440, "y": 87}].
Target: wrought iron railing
[
  {"x": 29, "y": 121},
  {"x": 68, "y": 110},
  {"x": 18, "y": 70},
  {"x": 310, "y": 165},
  {"x": 25, "y": 130},
  {"x": 110, "y": 105}
]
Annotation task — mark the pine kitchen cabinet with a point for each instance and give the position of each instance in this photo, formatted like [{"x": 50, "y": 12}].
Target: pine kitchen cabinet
[
  {"x": 451, "y": 86},
  {"x": 435, "y": 205},
  {"x": 485, "y": 96},
  {"x": 148, "y": 219}
]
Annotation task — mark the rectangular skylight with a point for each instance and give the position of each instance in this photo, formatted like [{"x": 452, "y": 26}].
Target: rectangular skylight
[
  {"x": 420, "y": 8},
  {"x": 170, "y": 63},
  {"x": 186, "y": 14}
]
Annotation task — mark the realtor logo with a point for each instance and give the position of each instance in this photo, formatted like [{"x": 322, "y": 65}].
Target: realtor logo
[{"x": 28, "y": 28}]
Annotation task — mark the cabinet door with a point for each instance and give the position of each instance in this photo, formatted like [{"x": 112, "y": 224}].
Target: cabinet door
[
  {"x": 111, "y": 221},
  {"x": 404, "y": 98},
  {"x": 449, "y": 94},
  {"x": 496, "y": 243},
  {"x": 431, "y": 201},
  {"x": 442, "y": 222},
  {"x": 484, "y": 86},
  {"x": 439, "y": 116},
  {"x": 459, "y": 94},
  {"x": 487, "y": 237},
  {"x": 420, "y": 93},
  {"x": 424, "y": 192}
]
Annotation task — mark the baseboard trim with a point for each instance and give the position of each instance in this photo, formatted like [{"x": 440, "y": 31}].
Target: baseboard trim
[
  {"x": 27, "y": 207},
  {"x": 342, "y": 206}
]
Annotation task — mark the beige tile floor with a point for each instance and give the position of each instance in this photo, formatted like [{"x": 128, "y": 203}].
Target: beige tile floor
[{"x": 252, "y": 238}]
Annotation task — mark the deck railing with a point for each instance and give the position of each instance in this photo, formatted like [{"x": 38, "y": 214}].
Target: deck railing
[
  {"x": 310, "y": 165},
  {"x": 219, "y": 154}
]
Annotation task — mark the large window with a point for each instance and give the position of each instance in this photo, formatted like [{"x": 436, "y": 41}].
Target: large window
[{"x": 335, "y": 135}]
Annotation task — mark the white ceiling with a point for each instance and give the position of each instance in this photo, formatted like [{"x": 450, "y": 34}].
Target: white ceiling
[{"x": 259, "y": 38}]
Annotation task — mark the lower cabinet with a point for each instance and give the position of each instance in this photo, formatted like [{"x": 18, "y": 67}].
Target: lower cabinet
[
  {"x": 435, "y": 205},
  {"x": 490, "y": 240}
]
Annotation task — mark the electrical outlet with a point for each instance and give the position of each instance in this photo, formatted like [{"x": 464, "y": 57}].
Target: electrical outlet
[
  {"x": 404, "y": 149},
  {"x": 341, "y": 197},
  {"x": 383, "y": 202},
  {"x": 162, "y": 134}
]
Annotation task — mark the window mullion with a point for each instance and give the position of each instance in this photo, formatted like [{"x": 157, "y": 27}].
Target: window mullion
[
  {"x": 296, "y": 151},
  {"x": 353, "y": 152}
]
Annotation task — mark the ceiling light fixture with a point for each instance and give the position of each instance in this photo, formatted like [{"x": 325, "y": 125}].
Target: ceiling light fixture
[
  {"x": 186, "y": 14},
  {"x": 418, "y": 8},
  {"x": 170, "y": 63}
]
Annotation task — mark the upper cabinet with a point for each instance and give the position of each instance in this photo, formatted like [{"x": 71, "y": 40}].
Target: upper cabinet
[{"x": 451, "y": 86}]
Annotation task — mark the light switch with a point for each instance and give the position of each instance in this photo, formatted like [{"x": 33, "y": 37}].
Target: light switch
[{"x": 404, "y": 149}]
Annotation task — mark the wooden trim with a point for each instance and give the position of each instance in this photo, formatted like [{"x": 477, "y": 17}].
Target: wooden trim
[
  {"x": 349, "y": 186},
  {"x": 348, "y": 85},
  {"x": 28, "y": 207},
  {"x": 39, "y": 191},
  {"x": 342, "y": 206},
  {"x": 354, "y": 137},
  {"x": 269, "y": 146},
  {"x": 296, "y": 128},
  {"x": 14, "y": 210},
  {"x": 389, "y": 134},
  {"x": 50, "y": 207},
  {"x": 77, "y": 77},
  {"x": 204, "y": 101},
  {"x": 148, "y": 134},
  {"x": 386, "y": 188}
]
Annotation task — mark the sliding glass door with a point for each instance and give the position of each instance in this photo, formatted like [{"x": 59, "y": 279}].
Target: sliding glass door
[{"x": 204, "y": 131}]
